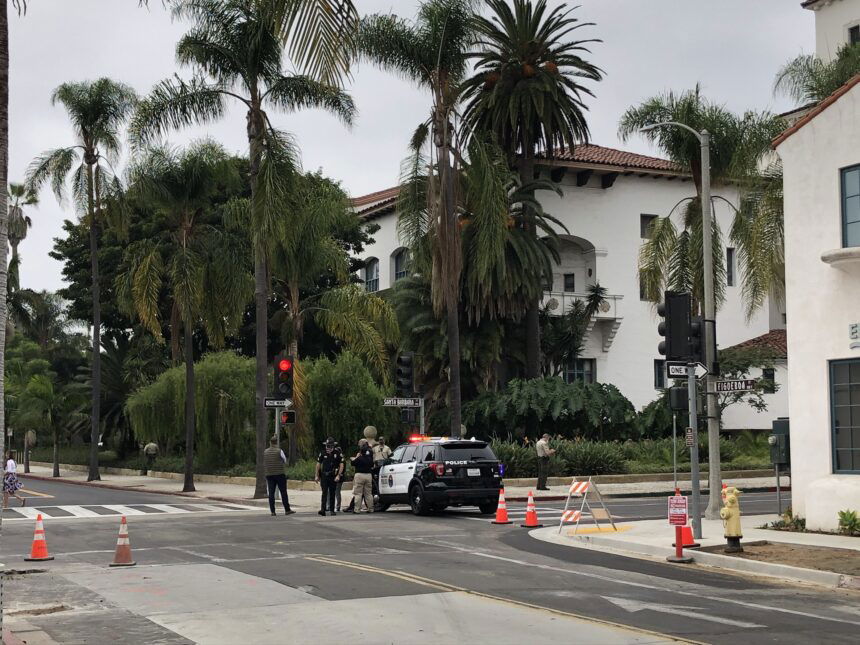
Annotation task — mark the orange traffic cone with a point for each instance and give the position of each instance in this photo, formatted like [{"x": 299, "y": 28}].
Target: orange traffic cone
[
  {"x": 502, "y": 510},
  {"x": 122, "y": 557},
  {"x": 531, "y": 514},
  {"x": 687, "y": 540},
  {"x": 39, "y": 550}
]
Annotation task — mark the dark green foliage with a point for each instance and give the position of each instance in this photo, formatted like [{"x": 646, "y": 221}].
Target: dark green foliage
[
  {"x": 341, "y": 399},
  {"x": 582, "y": 410}
]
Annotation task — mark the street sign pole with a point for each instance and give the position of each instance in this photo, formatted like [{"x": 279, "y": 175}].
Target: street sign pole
[
  {"x": 675, "y": 448},
  {"x": 421, "y": 417},
  {"x": 278, "y": 425},
  {"x": 694, "y": 451}
]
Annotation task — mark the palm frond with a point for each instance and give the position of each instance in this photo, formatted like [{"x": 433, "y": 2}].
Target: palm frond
[
  {"x": 52, "y": 166},
  {"x": 291, "y": 93}
]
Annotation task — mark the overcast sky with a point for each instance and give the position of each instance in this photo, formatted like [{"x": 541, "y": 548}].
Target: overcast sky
[{"x": 732, "y": 47}]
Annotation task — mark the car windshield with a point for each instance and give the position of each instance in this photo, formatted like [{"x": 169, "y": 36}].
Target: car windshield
[{"x": 461, "y": 452}]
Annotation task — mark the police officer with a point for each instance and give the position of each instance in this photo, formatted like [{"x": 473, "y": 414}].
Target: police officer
[
  {"x": 328, "y": 472},
  {"x": 339, "y": 484}
]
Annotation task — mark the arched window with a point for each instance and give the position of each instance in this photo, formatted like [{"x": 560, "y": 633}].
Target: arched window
[
  {"x": 371, "y": 275},
  {"x": 401, "y": 262}
]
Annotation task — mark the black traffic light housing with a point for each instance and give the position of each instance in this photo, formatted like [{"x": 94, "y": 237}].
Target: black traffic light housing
[
  {"x": 405, "y": 374},
  {"x": 284, "y": 373},
  {"x": 288, "y": 417},
  {"x": 697, "y": 340},
  {"x": 675, "y": 326}
]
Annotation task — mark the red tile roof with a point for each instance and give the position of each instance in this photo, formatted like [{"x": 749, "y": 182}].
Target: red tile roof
[
  {"x": 774, "y": 340},
  {"x": 818, "y": 109},
  {"x": 378, "y": 196},
  {"x": 603, "y": 156}
]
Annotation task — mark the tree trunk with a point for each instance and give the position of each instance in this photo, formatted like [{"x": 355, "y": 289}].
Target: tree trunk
[
  {"x": 527, "y": 168},
  {"x": 293, "y": 430},
  {"x": 96, "y": 373},
  {"x": 261, "y": 298},
  {"x": 4, "y": 223},
  {"x": 26, "y": 452},
  {"x": 56, "y": 457},
  {"x": 190, "y": 419}
]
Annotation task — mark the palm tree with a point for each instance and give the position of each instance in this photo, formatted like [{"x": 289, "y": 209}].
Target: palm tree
[
  {"x": 808, "y": 79},
  {"x": 19, "y": 224},
  {"x": 563, "y": 336},
  {"x": 97, "y": 110},
  {"x": 235, "y": 48},
  {"x": 528, "y": 91},
  {"x": 432, "y": 52},
  {"x": 671, "y": 258},
  {"x": 197, "y": 262},
  {"x": 42, "y": 316}
]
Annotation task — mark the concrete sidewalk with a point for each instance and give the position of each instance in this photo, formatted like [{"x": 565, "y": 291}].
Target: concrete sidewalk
[
  {"x": 654, "y": 539},
  {"x": 305, "y": 495}
]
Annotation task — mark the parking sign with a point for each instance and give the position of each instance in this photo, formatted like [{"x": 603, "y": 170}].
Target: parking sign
[{"x": 677, "y": 510}]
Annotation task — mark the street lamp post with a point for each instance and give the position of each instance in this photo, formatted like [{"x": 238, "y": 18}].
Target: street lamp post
[{"x": 714, "y": 475}]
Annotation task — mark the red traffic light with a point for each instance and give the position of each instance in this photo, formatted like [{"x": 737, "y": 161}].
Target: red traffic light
[{"x": 285, "y": 365}]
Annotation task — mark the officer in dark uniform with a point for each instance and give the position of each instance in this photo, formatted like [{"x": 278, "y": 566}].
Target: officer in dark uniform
[
  {"x": 328, "y": 472},
  {"x": 339, "y": 484}
]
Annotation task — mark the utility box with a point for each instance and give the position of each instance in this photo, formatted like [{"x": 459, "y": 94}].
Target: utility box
[{"x": 780, "y": 448}]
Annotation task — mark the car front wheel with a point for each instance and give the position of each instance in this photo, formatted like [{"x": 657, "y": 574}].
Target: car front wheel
[
  {"x": 487, "y": 509},
  {"x": 417, "y": 501}
]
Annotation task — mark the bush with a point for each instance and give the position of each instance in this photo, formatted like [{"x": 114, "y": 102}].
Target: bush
[{"x": 590, "y": 458}]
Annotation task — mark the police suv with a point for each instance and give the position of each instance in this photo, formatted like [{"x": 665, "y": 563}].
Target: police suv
[{"x": 432, "y": 474}]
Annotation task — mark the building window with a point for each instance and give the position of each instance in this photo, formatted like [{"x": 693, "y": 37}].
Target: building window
[
  {"x": 400, "y": 261},
  {"x": 569, "y": 282},
  {"x": 580, "y": 369},
  {"x": 854, "y": 35},
  {"x": 645, "y": 222},
  {"x": 851, "y": 206},
  {"x": 730, "y": 267},
  {"x": 845, "y": 405},
  {"x": 659, "y": 374},
  {"x": 371, "y": 275},
  {"x": 768, "y": 374}
]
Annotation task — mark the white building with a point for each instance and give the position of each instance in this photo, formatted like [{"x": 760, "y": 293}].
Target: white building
[
  {"x": 837, "y": 22},
  {"x": 609, "y": 198},
  {"x": 821, "y": 161}
]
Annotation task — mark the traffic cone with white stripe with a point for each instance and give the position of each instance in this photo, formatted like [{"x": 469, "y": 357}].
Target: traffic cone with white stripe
[
  {"x": 531, "y": 514},
  {"x": 502, "y": 510},
  {"x": 122, "y": 557},
  {"x": 39, "y": 550}
]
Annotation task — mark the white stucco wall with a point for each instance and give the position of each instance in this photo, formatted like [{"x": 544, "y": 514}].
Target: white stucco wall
[
  {"x": 822, "y": 301},
  {"x": 609, "y": 221},
  {"x": 740, "y": 416},
  {"x": 832, "y": 20}
]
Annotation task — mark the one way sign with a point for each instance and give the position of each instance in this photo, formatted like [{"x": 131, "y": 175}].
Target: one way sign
[{"x": 678, "y": 369}]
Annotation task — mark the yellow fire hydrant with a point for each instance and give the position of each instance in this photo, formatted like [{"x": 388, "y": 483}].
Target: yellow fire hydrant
[{"x": 731, "y": 516}]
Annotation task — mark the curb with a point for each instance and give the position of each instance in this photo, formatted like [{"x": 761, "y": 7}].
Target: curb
[
  {"x": 607, "y": 496},
  {"x": 10, "y": 639},
  {"x": 714, "y": 560}
]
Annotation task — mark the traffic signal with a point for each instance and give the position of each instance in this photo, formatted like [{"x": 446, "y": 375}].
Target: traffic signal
[
  {"x": 407, "y": 415},
  {"x": 284, "y": 371},
  {"x": 675, "y": 326},
  {"x": 288, "y": 417},
  {"x": 405, "y": 384},
  {"x": 697, "y": 340}
]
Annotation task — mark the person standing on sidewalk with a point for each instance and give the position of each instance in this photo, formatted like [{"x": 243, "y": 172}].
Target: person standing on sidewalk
[
  {"x": 329, "y": 470},
  {"x": 362, "y": 480},
  {"x": 338, "y": 496},
  {"x": 544, "y": 452},
  {"x": 274, "y": 461}
]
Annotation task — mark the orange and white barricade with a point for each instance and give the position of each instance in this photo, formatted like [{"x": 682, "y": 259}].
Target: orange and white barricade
[{"x": 584, "y": 489}]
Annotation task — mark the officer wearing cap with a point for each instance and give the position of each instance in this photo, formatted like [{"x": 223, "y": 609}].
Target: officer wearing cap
[{"x": 329, "y": 471}]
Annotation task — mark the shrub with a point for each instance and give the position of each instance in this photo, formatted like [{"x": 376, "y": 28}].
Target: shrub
[
  {"x": 849, "y": 522},
  {"x": 590, "y": 458}
]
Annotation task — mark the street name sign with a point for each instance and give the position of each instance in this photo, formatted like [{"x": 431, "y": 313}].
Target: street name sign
[
  {"x": 677, "y": 510},
  {"x": 401, "y": 403},
  {"x": 678, "y": 369},
  {"x": 744, "y": 385},
  {"x": 277, "y": 403}
]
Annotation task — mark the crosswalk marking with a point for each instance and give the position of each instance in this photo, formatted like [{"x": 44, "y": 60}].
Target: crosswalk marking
[{"x": 71, "y": 512}]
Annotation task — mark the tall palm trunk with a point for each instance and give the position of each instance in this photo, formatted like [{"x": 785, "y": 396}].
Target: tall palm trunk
[
  {"x": 294, "y": 428},
  {"x": 190, "y": 419},
  {"x": 527, "y": 169},
  {"x": 451, "y": 271},
  {"x": 56, "y": 455},
  {"x": 4, "y": 224},
  {"x": 96, "y": 374},
  {"x": 261, "y": 298}
]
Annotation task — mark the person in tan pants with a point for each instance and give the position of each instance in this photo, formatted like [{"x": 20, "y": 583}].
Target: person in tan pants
[{"x": 362, "y": 480}]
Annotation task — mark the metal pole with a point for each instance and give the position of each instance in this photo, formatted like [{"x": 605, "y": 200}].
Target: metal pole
[
  {"x": 675, "y": 449},
  {"x": 694, "y": 451},
  {"x": 278, "y": 424},
  {"x": 421, "y": 416},
  {"x": 714, "y": 475}
]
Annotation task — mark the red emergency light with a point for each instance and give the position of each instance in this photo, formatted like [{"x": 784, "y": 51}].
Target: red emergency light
[{"x": 415, "y": 438}]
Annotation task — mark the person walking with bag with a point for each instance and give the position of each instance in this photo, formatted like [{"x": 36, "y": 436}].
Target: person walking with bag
[
  {"x": 328, "y": 473},
  {"x": 362, "y": 480},
  {"x": 274, "y": 461},
  {"x": 11, "y": 484}
]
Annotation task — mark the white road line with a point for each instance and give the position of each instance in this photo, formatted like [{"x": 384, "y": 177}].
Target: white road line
[
  {"x": 80, "y": 511},
  {"x": 123, "y": 510},
  {"x": 30, "y": 513},
  {"x": 167, "y": 508}
]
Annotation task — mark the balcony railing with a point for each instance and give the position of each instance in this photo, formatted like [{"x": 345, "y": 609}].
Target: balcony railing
[{"x": 610, "y": 310}]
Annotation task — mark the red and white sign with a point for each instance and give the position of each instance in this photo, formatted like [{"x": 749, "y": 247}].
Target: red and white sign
[
  {"x": 578, "y": 488},
  {"x": 677, "y": 510}
]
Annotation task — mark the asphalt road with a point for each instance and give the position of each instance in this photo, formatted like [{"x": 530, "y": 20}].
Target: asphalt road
[{"x": 392, "y": 564}]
